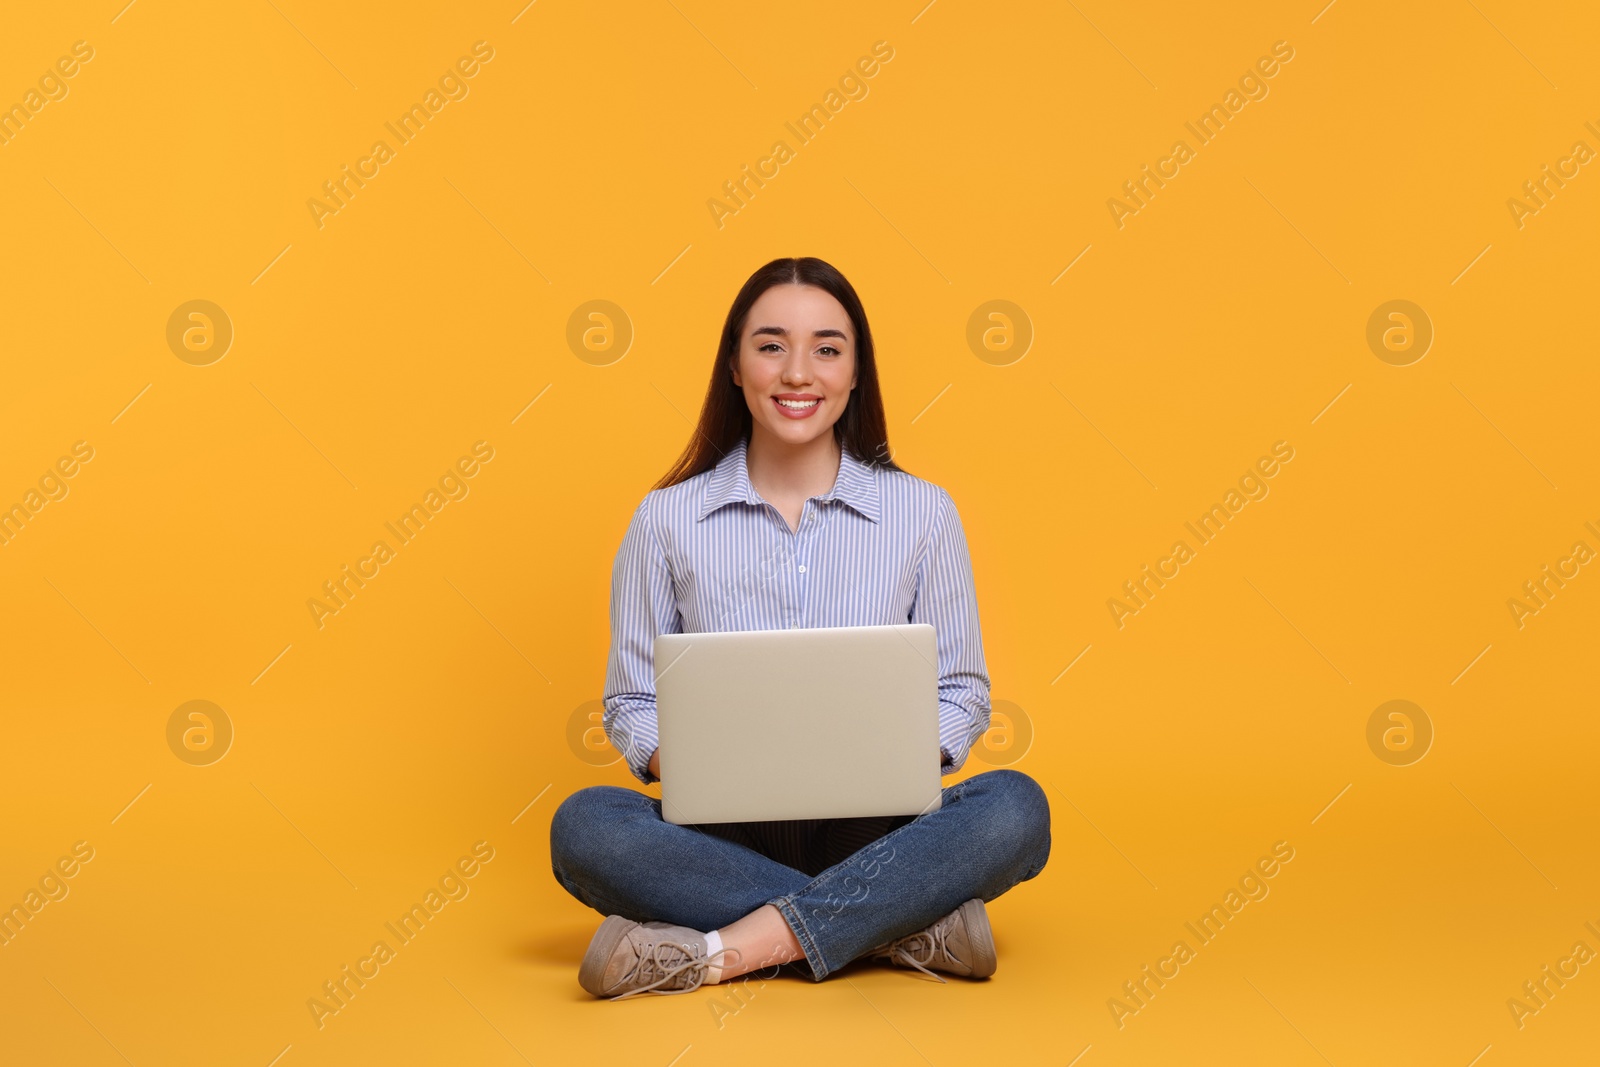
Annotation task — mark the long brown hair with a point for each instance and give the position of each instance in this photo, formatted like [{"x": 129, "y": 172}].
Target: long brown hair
[{"x": 725, "y": 417}]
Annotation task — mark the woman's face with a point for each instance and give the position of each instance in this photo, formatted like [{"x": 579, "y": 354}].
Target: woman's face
[{"x": 797, "y": 362}]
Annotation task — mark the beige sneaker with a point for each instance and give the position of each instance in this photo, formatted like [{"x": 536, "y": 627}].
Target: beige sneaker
[
  {"x": 960, "y": 943},
  {"x": 625, "y": 958}
]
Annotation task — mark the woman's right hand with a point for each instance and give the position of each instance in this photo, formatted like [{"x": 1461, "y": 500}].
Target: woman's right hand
[{"x": 655, "y": 764}]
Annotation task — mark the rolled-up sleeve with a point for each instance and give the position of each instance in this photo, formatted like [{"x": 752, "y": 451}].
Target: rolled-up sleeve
[
  {"x": 642, "y": 606},
  {"x": 947, "y": 597}
]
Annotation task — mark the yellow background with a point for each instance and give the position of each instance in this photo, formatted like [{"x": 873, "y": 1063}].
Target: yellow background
[{"x": 428, "y": 313}]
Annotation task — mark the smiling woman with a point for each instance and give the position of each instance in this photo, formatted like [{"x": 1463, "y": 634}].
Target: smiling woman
[
  {"x": 784, "y": 512},
  {"x": 796, "y": 343},
  {"x": 804, "y": 377}
]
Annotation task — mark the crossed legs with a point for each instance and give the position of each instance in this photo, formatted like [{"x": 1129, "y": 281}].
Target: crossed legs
[{"x": 610, "y": 848}]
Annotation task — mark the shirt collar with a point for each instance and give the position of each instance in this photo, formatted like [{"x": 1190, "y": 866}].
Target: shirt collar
[{"x": 855, "y": 486}]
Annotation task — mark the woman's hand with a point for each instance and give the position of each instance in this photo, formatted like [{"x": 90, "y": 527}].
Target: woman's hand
[{"x": 655, "y": 764}]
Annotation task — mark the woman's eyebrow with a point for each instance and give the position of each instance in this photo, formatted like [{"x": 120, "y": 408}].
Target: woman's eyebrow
[{"x": 781, "y": 332}]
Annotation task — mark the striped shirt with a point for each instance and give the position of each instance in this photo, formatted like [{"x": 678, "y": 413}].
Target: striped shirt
[{"x": 710, "y": 555}]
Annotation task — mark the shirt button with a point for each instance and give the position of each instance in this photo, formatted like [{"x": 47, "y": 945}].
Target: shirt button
[{"x": 802, "y": 569}]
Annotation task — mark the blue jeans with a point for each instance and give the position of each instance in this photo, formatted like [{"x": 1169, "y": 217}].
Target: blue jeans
[{"x": 610, "y": 848}]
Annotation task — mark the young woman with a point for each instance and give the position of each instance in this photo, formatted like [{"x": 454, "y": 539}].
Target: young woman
[{"x": 786, "y": 510}]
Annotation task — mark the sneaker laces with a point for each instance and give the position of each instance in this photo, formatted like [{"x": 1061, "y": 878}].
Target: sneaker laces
[
  {"x": 908, "y": 948},
  {"x": 667, "y": 961}
]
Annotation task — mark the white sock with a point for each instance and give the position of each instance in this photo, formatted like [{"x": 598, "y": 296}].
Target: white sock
[{"x": 713, "y": 946}]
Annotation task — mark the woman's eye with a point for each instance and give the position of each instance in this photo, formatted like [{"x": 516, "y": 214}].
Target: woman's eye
[
  {"x": 769, "y": 344},
  {"x": 830, "y": 349}
]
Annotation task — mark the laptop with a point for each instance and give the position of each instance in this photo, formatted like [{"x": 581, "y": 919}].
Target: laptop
[{"x": 810, "y": 723}]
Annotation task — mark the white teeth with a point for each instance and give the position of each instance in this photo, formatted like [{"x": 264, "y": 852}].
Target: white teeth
[{"x": 798, "y": 403}]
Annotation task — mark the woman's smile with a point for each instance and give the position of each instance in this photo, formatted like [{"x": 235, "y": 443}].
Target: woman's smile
[{"x": 797, "y": 405}]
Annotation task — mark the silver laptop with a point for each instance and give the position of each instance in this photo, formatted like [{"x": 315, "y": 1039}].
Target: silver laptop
[{"x": 819, "y": 723}]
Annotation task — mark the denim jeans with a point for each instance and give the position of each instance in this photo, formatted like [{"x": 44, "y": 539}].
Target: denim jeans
[{"x": 610, "y": 848}]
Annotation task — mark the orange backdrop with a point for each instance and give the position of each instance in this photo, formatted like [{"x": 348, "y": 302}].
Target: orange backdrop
[{"x": 1254, "y": 342}]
